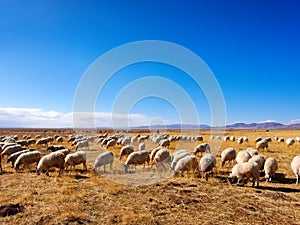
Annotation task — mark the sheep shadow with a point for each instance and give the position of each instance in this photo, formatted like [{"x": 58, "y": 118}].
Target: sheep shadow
[{"x": 279, "y": 189}]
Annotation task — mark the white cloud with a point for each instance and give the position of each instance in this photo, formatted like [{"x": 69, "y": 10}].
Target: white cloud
[
  {"x": 294, "y": 121},
  {"x": 36, "y": 117}
]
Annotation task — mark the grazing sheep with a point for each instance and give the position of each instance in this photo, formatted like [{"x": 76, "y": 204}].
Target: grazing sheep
[
  {"x": 240, "y": 140},
  {"x": 54, "y": 159},
  {"x": 71, "y": 139},
  {"x": 23, "y": 143},
  {"x": 179, "y": 155},
  {"x": 187, "y": 163},
  {"x": 245, "y": 139},
  {"x": 226, "y": 138},
  {"x": 143, "y": 138},
  {"x": 11, "y": 149},
  {"x": 244, "y": 171},
  {"x": 281, "y": 140},
  {"x": 164, "y": 143},
  {"x": 270, "y": 167},
  {"x": 295, "y": 165},
  {"x": 125, "y": 151},
  {"x": 13, "y": 157},
  {"x": 263, "y": 144},
  {"x": 126, "y": 141},
  {"x": 59, "y": 139},
  {"x": 161, "y": 156},
  {"x": 27, "y": 158},
  {"x": 204, "y": 147},
  {"x": 259, "y": 159},
  {"x": 135, "y": 138},
  {"x": 103, "y": 159},
  {"x": 76, "y": 159},
  {"x": 258, "y": 139},
  {"x": 298, "y": 139},
  {"x": 111, "y": 143},
  {"x": 153, "y": 153},
  {"x": 289, "y": 142},
  {"x": 81, "y": 144},
  {"x": 31, "y": 142},
  {"x": 136, "y": 158},
  {"x": 64, "y": 151},
  {"x": 207, "y": 163},
  {"x": 242, "y": 156},
  {"x": 42, "y": 141},
  {"x": 199, "y": 138},
  {"x": 55, "y": 148},
  {"x": 142, "y": 147},
  {"x": 252, "y": 151},
  {"x": 228, "y": 154},
  {"x": 269, "y": 139}
]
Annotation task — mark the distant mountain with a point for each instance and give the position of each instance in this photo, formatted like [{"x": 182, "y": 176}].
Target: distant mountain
[{"x": 250, "y": 126}]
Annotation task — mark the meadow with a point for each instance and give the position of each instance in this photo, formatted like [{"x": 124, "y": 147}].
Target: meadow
[{"x": 146, "y": 196}]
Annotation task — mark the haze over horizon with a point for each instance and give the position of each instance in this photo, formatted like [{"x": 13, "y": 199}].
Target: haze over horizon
[{"x": 252, "y": 48}]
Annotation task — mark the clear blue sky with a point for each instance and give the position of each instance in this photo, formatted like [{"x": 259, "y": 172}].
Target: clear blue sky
[{"x": 252, "y": 47}]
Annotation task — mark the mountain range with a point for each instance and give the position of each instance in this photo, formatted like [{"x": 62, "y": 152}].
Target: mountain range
[{"x": 252, "y": 126}]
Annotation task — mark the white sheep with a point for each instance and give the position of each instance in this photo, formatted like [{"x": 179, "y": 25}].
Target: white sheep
[
  {"x": 153, "y": 152},
  {"x": 245, "y": 170},
  {"x": 289, "y": 142},
  {"x": 298, "y": 139},
  {"x": 252, "y": 151},
  {"x": 11, "y": 149},
  {"x": 204, "y": 147},
  {"x": 42, "y": 141},
  {"x": 142, "y": 147},
  {"x": 262, "y": 144},
  {"x": 232, "y": 138},
  {"x": 27, "y": 158},
  {"x": 187, "y": 163},
  {"x": 76, "y": 159},
  {"x": 54, "y": 159},
  {"x": 240, "y": 140},
  {"x": 126, "y": 141},
  {"x": 110, "y": 143},
  {"x": 242, "y": 156},
  {"x": 207, "y": 163},
  {"x": 179, "y": 155},
  {"x": 164, "y": 143},
  {"x": 82, "y": 144},
  {"x": 259, "y": 159},
  {"x": 226, "y": 138},
  {"x": 162, "y": 155},
  {"x": 270, "y": 167},
  {"x": 136, "y": 158},
  {"x": 295, "y": 165},
  {"x": 64, "y": 151},
  {"x": 126, "y": 150},
  {"x": 103, "y": 159},
  {"x": 228, "y": 154},
  {"x": 13, "y": 157}
]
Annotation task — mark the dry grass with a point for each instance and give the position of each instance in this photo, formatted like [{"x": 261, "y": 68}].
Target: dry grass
[{"x": 84, "y": 197}]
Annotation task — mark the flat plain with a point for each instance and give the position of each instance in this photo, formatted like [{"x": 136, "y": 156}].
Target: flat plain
[{"x": 147, "y": 196}]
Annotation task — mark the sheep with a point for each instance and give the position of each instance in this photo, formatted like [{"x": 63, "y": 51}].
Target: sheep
[
  {"x": 71, "y": 139},
  {"x": 55, "y": 148},
  {"x": 161, "y": 156},
  {"x": 31, "y": 142},
  {"x": 27, "y": 158},
  {"x": 13, "y": 157},
  {"x": 164, "y": 143},
  {"x": 263, "y": 144},
  {"x": 110, "y": 143},
  {"x": 42, "y": 141},
  {"x": 240, "y": 140},
  {"x": 59, "y": 139},
  {"x": 252, "y": 151},
  {"x": 232, "y": 138},
  {"x": 289, "y": 142},
  {"x": 245, "y": 139},
  {"x": 226, "y": 138},
  {"x": 64, "y": 151},
  {"x": 143, "y": 138},
  {"x": 202, "y": 148},
  {"x": 23, "y": 143},
  {"x": 54, "y": 159},
  {"x": 81, "y": 144},
  {"x": 175, "y": 158},
  {"x": 259, "y": 159},
  {"x": 125, "y": 151},
  {"x": 258, "y": 139},
  {"x": 102, "y": 160},
  {"x": 126, "y": 141},
  {"x": 136, "y": 158},
  {"x": 177, "y": 153},
  {"x": 228, "y": 154},
  {"x": 135, "y": 138},
  {"x": 187, "y": 163},
  {"x": 11, "y": 149},
  {"x": 142, "y": 146},
  {"x": 270, "y": 167},
  {"x": 242, "y": 156},
  {"x": 199, "y": 138},
  {"x": 298, "y": 139},
  {"x": 76, "y": 159},
  {"x": 268, "y": 139},
  {"x": 207, "y": 163},
  {"x": 153, "y": 152},
  {"x": 295, "y": 165},
  {"x": 245, "y": 170}
]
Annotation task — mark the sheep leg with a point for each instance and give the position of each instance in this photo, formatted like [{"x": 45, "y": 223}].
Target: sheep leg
[
  {"x": 111, "y": 166},
  {"x": 297, "y": 181},
  {"x": 104, "y": 169},
  {"x": 84, "y": 166}
]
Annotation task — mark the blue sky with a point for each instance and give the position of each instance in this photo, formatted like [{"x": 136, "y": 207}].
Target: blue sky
[{"x": 252, "y": 47}]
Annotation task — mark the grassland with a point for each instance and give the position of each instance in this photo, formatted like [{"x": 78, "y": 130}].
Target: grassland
[{"x": 84, "y": 197}]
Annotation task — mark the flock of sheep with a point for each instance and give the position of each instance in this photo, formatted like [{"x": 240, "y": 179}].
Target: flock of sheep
[{"x": 248, "y": 165}]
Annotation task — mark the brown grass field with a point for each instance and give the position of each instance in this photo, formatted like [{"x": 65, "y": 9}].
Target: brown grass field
[{"x": 84, "y": 197}]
